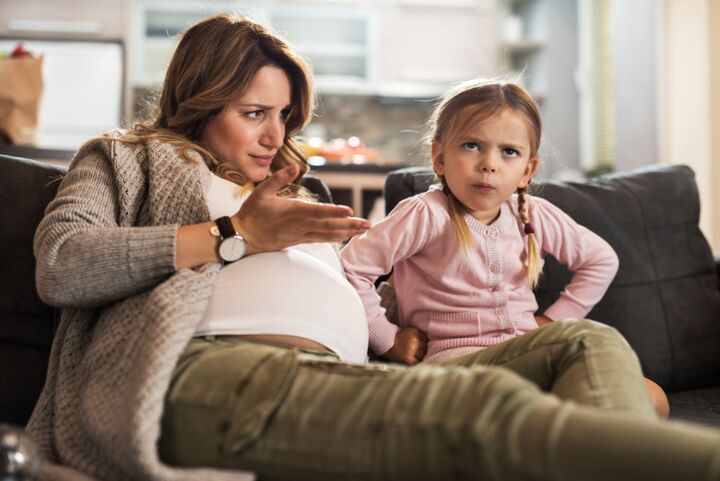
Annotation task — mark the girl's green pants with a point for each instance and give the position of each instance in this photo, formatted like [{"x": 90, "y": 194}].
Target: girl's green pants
[{"x": 564, "y": 402}]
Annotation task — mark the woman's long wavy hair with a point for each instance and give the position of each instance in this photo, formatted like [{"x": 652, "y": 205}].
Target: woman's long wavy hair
[
  {"x": 462, "y": 109},
  {"x": 213, "y": 64}
]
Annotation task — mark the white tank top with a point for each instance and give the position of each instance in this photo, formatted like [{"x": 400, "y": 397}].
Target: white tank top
[{"x": 300, "y": 291}]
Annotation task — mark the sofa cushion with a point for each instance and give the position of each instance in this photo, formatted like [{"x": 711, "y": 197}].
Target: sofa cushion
[
  {"x": 665, "y": 298},
  {"x": 700, "y": 406},
  {"x": 22, "y": 375},
  {"x": 26, "y": 324},
  {"x": 26, "y": 187}
]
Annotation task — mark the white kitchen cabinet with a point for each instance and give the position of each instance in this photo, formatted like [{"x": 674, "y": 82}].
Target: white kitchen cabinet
[
  {"x": 335, "y": 37},
  {"x": 79, "y": 19},
  {"x": 424, "y": 46},
  {"x": 396, "y": 48}
]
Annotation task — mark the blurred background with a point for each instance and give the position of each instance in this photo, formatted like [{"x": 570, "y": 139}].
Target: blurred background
[{"x": 622, "y": 83}]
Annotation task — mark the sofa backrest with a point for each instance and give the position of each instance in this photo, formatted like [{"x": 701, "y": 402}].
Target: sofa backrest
[
  {"x": 26, "y": 187},
  {"x": 26, "y": 324},
  {"x": 665, "y": 298}
]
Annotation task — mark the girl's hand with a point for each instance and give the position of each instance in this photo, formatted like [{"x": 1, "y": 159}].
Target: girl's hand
[
  {"x": 271, "y": 223},
  {"x": 410, "y": 346},
  {"x": 542, "y": 320}
]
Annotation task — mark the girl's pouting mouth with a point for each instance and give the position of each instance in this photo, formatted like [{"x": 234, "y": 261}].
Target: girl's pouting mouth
[{"x": 483, "y": 187}]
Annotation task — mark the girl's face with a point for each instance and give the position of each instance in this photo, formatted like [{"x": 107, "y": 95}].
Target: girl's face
[
  {"x": 249, "y": 131},
  {"x": 486, "y": 164}
]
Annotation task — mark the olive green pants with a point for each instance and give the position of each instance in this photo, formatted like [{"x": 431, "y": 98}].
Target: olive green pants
[{"x": 289, "y": 414}]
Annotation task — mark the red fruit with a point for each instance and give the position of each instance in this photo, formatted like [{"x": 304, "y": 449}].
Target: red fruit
[{"x": 19, "y": 51}]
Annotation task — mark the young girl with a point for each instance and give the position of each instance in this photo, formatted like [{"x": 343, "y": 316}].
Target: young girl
[{"x": 466, "y": 256}]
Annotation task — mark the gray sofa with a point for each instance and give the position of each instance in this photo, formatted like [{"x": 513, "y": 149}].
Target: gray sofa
[{"x": 665, "y": 298}]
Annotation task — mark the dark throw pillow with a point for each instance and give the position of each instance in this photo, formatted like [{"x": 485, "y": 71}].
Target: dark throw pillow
[{"x": 665, "y": 298}]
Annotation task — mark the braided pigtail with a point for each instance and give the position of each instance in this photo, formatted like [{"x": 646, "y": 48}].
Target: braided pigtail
[
  {"x": 533, "y": 254},
  {"x": 455, "y": 209}
]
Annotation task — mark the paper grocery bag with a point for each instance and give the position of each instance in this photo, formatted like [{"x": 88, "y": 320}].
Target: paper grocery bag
[{"x": 21, "y": 87}]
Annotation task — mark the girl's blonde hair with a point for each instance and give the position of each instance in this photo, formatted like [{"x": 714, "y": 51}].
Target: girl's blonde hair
[
  {"x": 213, "y": 64},
  {"x": 484, "y": 100}
]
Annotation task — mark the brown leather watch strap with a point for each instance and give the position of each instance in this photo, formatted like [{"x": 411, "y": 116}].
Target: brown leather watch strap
[{"x": 226, "y": 227}]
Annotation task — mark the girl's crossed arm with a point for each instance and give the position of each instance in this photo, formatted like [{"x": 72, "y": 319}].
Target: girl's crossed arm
[{"x": 590, "y": 258}]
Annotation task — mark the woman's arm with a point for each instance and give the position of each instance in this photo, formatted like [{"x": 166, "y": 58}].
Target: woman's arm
[
  {"x": 591, "y": 260},
  {"x": 84, "y": 258}
]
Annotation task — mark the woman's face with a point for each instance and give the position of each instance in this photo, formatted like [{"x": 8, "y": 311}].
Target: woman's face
[{"x": 249, "y": 131}]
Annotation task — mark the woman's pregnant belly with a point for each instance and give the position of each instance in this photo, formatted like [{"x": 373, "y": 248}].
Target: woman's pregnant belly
[{"x": 297, "y": 292}]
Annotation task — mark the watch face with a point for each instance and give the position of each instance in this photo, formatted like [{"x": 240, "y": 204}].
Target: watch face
[{"x": 232, "y": 249}]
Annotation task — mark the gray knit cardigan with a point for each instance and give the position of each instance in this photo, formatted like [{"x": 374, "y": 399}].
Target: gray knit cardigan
[{"x": 106, "y": 254}]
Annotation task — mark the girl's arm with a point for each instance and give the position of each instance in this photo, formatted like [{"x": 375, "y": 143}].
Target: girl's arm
[
  {"x": 591, "y": 259},
  {"x": 83, "y": 258},
  {"x": 401, "y": 234}
]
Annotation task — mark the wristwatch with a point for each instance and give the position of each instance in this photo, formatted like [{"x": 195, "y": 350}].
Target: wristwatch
[{"x": 232, "y": 246}]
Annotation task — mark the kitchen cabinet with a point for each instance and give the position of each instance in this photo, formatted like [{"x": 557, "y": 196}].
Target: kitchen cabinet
[
  {"x": 335, "y": 37},
  {"x": 425, "y": 46},
  {"x": 47, "y": 19},
  {"x": 392, "y": 48}
]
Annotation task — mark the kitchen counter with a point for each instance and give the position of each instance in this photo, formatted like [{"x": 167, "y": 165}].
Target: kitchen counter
[{"x": 361, "y": 168}]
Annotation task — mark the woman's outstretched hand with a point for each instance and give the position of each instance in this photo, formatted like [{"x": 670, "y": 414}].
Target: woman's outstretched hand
[
  {"x": 270, "y": 223},
  {"x": 410, "y": 346}
]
